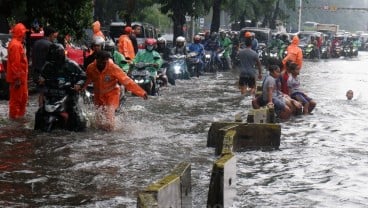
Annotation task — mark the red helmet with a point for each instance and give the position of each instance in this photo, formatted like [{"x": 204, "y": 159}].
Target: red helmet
[{"x": 150, "y": 41}]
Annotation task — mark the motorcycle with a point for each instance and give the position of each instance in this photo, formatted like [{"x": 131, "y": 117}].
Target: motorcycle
[
  {"x": 261, "y": 50},
  {"x": 349, "y": 51},
  {"x": 336, "y": 50},
  {"x": 61, "y": 110},
  {"x": 207, "y": 60},
  {"x": 310, "y": 52},
  {"x": 178, "y": 68},
  {"x": 214, "y": 64},
  {"x": 325, "y": 52},
  {"x": 193, "y": 64},
  {"x": 141, "y": 74}
]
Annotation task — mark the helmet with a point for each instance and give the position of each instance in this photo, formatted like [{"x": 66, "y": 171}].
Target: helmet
[
  {"x": 197, "y": 39},
  {"x": 109, "y": 45},
  {"x": 150, "y": 43},
  {"x": 180, "y": 41},
  {"x": 161, "y": 40},
  {"x": 248, "y": 35},
  {"x": 98, "y": 41},
  {"x": 56, "y": 53}
]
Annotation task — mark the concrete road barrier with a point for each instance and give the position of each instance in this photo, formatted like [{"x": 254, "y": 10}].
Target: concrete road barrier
[{"x": 174, "y": 190}]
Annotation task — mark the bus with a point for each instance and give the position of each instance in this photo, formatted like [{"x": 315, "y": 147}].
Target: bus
[{"x": 310, "y": 26}]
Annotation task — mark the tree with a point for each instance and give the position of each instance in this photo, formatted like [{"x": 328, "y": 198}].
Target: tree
[
  {"x": 68, "y": 16},
  {"x": 177, "y": 10}
]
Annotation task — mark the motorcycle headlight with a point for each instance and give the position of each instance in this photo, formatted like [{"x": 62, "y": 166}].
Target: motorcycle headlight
[
  {"x": 208, "y": 56},
  {"x": 177, "y": 69}
]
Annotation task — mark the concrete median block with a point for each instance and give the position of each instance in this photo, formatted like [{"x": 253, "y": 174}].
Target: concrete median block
[
  {"x": 246, "y": 136},
  {"x": 222, "y": 188},
  {"x": 217, "y": 132},
  {"x": 174, "y": 190},
  {"x": 256, "y": 136}
]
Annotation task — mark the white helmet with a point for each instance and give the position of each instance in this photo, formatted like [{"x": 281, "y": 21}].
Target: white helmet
[
  {"x": 161, "y": 40},
  {"x": 98, "y": 40},
  {"x": 180, "y": 41}
]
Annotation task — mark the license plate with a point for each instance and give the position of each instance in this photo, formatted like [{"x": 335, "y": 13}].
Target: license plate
[{"x": 140, "y": 73}]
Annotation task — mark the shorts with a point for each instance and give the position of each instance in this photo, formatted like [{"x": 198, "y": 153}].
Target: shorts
[
  {"x": 279, "y": 104},
  {"x": 301, "y": 97},
  {"x": 247, "y": 81}
]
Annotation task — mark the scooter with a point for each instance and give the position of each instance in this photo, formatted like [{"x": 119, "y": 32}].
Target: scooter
[
  {"x": 193, "y": 63},
  {"x": 141, "y": 74},
  {"x": 177, "y": 68},
  {"x": 60, "y": 110}
]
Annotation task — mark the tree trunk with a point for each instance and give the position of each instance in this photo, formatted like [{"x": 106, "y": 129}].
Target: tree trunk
[
  {"x": 216, "y": 12},
  {"x": 179, "y": 21},
  {"x": 275, "y": 15}
]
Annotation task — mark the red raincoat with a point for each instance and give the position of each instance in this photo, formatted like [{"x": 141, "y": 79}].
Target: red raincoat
[{"x": 17, "y": 73}]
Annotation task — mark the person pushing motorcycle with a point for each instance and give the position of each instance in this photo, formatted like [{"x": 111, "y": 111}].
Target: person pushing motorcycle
[
  {"x": 56, "y": 73},
  {"x": 105, "y": 76}
]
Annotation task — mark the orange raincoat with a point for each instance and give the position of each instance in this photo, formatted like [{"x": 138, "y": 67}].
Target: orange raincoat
[
  {"x": 294, "y": 53},
  {"x": 125, "y": 47},
  {"x": 96, "y": 27},
  {"x": 17, "y": 73},
  {"x": 106, "y": 88}
]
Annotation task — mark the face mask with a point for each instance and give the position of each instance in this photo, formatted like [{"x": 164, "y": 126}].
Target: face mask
[{"x": 150, "y": 48}]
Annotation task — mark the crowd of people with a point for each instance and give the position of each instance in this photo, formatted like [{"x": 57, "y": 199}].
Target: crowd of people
[{"x": 108, "y": 65}]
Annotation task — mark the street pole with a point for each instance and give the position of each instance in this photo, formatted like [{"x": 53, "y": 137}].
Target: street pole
[{"x": 300, "y": 15}]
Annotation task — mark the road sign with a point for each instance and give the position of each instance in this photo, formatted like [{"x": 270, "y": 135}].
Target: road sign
[
  {"x": 201, "y": 20},
  {"x": 188, "y": 18}
]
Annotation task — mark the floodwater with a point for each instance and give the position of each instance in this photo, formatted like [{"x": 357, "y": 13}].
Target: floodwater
[{"x": 322, "y": 160}]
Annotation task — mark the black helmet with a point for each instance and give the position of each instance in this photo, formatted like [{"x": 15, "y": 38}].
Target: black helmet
[{"x": 56, "y": 53}]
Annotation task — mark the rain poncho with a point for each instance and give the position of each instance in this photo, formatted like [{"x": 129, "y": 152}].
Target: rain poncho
[
  {"x": 17, "y": 72},
  {"x": 227, "y": 45},
  {"x": 146, "y": 56},
  {"x": 96, "y": 27},
  {"x": 125, "y": 47},
  {"x": 294, "y": 53}
]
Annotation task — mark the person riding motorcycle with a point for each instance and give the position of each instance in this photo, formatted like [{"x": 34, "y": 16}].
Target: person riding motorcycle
[
  {"x": 197, "y": 47},
  {"x": 213, "y": 45},
  {"x": 57, "y": 71},
  {"x": 226, "y": 44},
  {"x": 149, "y": 55},
  {"x": 180, "y": 46},
  {"x": 164, "y": 52},
  {"x": 117, "y": 57}
]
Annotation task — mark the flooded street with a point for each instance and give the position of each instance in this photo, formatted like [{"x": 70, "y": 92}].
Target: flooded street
[{"x": 322, "y": 160}]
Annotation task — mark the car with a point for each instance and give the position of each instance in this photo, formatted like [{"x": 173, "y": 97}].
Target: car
[{"x": 263, "y": 35}]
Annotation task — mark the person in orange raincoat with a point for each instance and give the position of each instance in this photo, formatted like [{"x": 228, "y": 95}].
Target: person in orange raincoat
[
  {"x": 294, "y": 55},
  {"x": 96, "y": 27},
  {"x": 105, "y": 76},
  {"x": 125, "y": 45},
  {"x": 17, "y": 73}
]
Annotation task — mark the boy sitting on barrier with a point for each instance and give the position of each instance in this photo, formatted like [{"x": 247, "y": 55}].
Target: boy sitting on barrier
[
  {"x": 293, "y": 84},
  {"x": 271, "y": 96}
]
